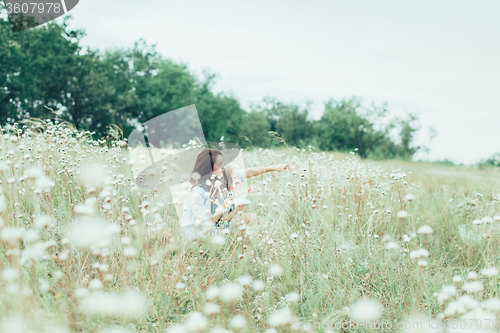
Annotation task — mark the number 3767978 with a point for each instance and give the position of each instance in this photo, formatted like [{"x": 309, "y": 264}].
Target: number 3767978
[{"x": 34, "y": 8}]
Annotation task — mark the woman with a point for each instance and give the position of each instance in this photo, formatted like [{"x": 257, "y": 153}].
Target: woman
[{"x": 208, "y": 202}]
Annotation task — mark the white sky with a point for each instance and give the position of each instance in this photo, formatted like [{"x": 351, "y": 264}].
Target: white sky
[{"x": 439, "y": 58}]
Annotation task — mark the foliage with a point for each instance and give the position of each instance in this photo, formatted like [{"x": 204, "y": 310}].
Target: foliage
[
  {"x": 45, "y": 73},
  {"x": 493, "y": 161}
]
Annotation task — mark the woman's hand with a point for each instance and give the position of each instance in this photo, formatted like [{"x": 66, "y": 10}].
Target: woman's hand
[
  {"x": 253, "y": 172},
  {"x": 281, "y": 167},
  {"x": 239, "y": 208},
  {"x": 227, "y": 203}
]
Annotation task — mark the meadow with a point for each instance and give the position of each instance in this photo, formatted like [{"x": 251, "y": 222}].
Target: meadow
[{"x": 337, "y": 239}]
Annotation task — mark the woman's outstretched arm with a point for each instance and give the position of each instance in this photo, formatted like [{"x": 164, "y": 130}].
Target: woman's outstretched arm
[{"x": 252, "y": 172}]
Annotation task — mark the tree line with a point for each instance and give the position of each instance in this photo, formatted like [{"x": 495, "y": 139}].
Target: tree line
[{"x": 45, "y": 72}]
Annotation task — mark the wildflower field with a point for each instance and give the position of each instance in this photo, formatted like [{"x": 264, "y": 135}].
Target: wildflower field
[{"x": 337, "y": 239}]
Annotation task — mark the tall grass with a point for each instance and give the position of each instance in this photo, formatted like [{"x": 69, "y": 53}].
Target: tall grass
[{"x": 326, "y": 223}]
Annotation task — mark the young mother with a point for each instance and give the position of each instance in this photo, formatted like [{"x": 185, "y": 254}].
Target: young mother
[{"x": 200, "y": 206}]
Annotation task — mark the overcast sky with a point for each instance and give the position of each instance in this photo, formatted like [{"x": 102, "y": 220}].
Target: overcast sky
[{"x": 437, "y": 58}]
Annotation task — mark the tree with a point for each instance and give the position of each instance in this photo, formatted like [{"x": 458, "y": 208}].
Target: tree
[
  {"x": 342, "y": 127},
  {"x": 35, "y": 67},
  {"x": 346, "y": 125},
  {"x": 46, "y": 68},
  {"x": 290, "y": 121},
  {"x": 407, "y": 133},
  {"x": 220, "y": 115},
  {"x": 255, "y": 132}
]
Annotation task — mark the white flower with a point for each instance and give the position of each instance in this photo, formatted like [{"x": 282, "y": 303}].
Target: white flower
[
  {"x": 237, "y": 322},
  {"x": 81, "y": 292},
  {"x": 487, "y": 220},
  {"x": 101, "y": 303},
  {"x": 217, "y": 239},
  {"x": 10, "y": 274},
  {"x": 11, "y": 234},
  {"x": 58, "y": 275},
  {"x": 422, "y": 263},
  {"x": 83, "y": 209},
  {"x": 93, "y": 175},
  {"x": 92, "y": 232},
  {"x": 492, "y": 305},
  {"x": 211, "y": 308},
  {"x": 177, "y": 328},
  {"x": 275, "y": 270},
  {"x": 34, "y": 252},
  {"x": 477, "y": 222},
  {"x": 490, "y": 272},
  {"x": 34, "y": 172},
  {"x": 30, "y": 236},
  {"x": 472, "y": 276},
  {"x": 245, "y": 280},
  {"x": 43, "y": 221},
  {"x": 402, "y": 214},
  {"x": 196, "y": 322},
  {"x": 446, "y": 293},
  {"x": 425, "y": 230},
  {"x": 457, "y": 279},
  {"x": 125, "y": 240},
  {"x": 294, "y": 235},
  {"x": 95, "y": 284},
  {"x": 391, "y": 246},
  {"x": 280, "y": 318},
  {"x": 292, "y": 297},
  {"x": 409, "y": 197},
  {"x": 273, "y": 330},
  {"x": 467, "y": 302},
  {"x": 365, "y": 309},
  {"x": 450, "y": 290},
  {"x": 230, "y": 292},
  {"x": 3, "y": 167},
  {"x": 212, "y": 293},
  {"x": 43, "y": 183},
  {"x": 14, "y": 324},
  {"x": 129, "y": 304},
  {"x": 258, "y": 285},
  {"x": 473, "y": 287},
  {"x": 420, "y": 253},
  {"x": 130, "y": 252}
]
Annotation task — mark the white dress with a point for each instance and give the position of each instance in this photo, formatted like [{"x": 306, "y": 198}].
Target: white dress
[{"x": 197, "y": 210}]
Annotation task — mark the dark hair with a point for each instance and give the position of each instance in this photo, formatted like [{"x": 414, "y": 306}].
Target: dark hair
[
  {"x": 204, "y": 166},
  {"x": 205, "y": 162}
]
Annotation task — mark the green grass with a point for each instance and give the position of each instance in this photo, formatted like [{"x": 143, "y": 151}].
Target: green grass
[{"x": 339, "y": 211}]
